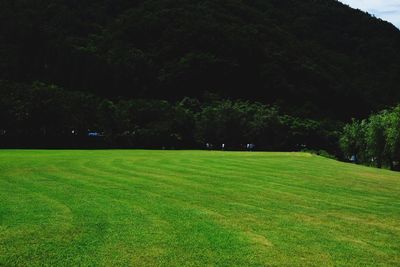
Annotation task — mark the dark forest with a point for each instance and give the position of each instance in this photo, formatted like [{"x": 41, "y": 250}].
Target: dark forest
[{"x": 284, "y": 75}]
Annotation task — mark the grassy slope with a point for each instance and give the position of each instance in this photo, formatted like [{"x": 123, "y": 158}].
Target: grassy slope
[{"x": 195, "y": 208}]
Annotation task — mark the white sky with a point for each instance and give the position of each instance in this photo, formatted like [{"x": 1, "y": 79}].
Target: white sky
[{"x": 385, "y": 9}]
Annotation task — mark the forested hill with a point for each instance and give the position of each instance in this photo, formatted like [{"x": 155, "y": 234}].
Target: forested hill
[{"x": 311, "y": 57}]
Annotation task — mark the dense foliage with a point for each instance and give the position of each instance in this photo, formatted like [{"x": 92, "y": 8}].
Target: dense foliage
[
  {"x": 305, "y": 56},
  {"x": 374, "y": 141},
  {"x": 44, "y": 115},
  {"x": 282, "y": 74}
]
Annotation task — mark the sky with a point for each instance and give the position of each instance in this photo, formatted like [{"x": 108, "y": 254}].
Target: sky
[{"x": 388, "y": 10}]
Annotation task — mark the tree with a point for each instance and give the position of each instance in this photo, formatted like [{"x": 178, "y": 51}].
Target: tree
[
  {"x": 222, "y": 122},
  {"x": 376, "y": 139},
  {"x": 392, "y": 133},
  {"x": 352, "y": 141}
]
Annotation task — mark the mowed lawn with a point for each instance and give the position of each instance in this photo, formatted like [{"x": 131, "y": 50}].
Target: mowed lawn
[{"x": 194, "y": 208}]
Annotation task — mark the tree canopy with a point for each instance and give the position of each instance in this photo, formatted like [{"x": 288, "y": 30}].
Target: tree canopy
[
  {"x": 282, "y": 74},
  {"x": 42, "y": 115},
  {"x": 313, "y": 58},
  {"x": 374, "y": 141}
]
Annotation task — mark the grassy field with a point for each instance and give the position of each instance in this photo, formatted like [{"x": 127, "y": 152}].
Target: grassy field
[{"x": 194, "y": 208}]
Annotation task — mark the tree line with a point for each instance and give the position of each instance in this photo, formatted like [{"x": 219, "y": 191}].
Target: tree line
[
  {"x": 43, "y": 115},
  {"x": 374, "y": 141}
]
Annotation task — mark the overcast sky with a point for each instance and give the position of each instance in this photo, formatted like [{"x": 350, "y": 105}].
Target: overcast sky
[{"x": 385, "y": 9}]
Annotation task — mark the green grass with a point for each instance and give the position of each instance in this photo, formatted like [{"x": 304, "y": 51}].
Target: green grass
[{"x": 194, "y": 208}]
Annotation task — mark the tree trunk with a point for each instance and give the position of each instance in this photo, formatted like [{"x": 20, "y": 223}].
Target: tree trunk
[
  {"x": 391, "y": 164},
  {"x": 379, "y": 163}
]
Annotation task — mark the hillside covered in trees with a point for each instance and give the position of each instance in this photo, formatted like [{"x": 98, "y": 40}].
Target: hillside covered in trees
[
  {"x": 312, "y": 58},
  {"x": 285, "y": 75}
]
